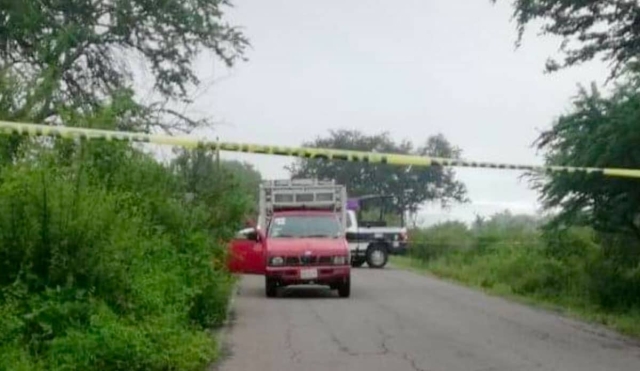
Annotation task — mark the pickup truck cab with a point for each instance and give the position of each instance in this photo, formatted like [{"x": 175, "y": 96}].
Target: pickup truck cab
[
  {"x": 303, "y": 242},
  {"x": 372, "y": 241}
]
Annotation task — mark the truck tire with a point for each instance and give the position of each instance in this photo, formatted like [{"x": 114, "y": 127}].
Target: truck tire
[
  {"x": 377, "y": 255},
  {"x": 357, "y": 263},
  {"x": 270, "y": 287},
  {"x": 344, "y": 288}
]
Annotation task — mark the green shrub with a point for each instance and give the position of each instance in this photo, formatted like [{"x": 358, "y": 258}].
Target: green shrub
[
  {"x": 439, "y": 240},
  {"x": 574, "y": 266},
  {"x": 106, "y": 264}
]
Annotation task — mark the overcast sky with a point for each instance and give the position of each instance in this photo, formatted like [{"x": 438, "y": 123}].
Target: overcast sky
[{"x": 410, "y": 67}]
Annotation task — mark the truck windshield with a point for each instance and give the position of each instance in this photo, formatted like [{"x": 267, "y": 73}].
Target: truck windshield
[{"x": 304, "y": 226}]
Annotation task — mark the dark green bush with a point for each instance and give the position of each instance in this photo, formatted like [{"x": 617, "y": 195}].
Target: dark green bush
[
  {"x": 105, "y": 263},
  {"x": 439, "y": 240},
  {"x": 574, "y": 265}
]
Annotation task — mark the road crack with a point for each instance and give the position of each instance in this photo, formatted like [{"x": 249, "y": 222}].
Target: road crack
[
  {"x": 412, "y": 362},
  {"x": 294, "y": 354},
  {"x": 387, "y": 350},
  {"x": 343, "y": 348},
  {"x": 383, "y": 344}
]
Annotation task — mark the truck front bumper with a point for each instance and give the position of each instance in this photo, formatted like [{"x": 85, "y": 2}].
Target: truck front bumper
[{"x": 309, "y": 275}]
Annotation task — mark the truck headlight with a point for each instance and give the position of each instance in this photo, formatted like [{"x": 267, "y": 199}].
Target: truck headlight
[
  {"x": 339, "y": 260},
  {"x": 276, "y": 260}
]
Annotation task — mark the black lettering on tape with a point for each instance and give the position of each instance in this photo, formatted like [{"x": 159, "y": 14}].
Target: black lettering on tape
[
  {"x": 203, "y": 145},
  {"x": 260, "y": 149},
  {"x": 280, "y": 151},
  {"x": 229, "y": 147},
  {"x": 341, "y": 156},
  {"x": 355, "y": 157},
  {"x": 320, "y": 156}
]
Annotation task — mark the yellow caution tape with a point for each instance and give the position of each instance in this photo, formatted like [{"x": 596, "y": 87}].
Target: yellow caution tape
[{"x": 302, "y": 152}]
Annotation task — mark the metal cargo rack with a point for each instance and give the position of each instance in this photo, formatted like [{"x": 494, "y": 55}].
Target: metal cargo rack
[{"x": 316, "y": 194}]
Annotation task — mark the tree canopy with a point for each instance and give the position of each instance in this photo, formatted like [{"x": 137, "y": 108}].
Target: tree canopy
[
  {"x": 588, "y": 28},
  {"x": 409, "y": 186},
  {"x": 200, "y": 172},
  {"x": 600, "y": 131},
  {"x": 73, "y": 55}
]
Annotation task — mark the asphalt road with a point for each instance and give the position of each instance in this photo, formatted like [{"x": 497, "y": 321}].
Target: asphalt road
[{"x": 397, "y": 320}]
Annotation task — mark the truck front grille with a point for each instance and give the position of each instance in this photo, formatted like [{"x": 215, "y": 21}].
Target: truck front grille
[{"x": 307, "y": 260}]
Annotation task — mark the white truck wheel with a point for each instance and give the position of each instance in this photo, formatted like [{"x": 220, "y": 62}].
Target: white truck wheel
[{"x": 377, "y": 255}]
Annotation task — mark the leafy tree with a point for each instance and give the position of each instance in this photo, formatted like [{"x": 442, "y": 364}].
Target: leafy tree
[
  {"x": 601, "y": 131},
  {"x": 100, "y": 250},
  {"x": 71, "y": 54},
  {"x": 589, "y": 28},
  {"x": 203, "y": 176},
  {"x": 248, "y": 179},
  {"x": 409, "y": 186}
]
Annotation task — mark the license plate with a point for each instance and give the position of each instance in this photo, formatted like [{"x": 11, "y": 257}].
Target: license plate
[{"x": 308, "y": 274}]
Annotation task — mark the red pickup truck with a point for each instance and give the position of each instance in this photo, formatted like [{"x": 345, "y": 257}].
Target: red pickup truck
[{"x": 304, "y": 239}]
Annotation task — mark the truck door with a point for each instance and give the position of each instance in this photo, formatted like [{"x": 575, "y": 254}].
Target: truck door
[
  {"x": 352, "y": 232},
  {"x": 247, "y": 253}
]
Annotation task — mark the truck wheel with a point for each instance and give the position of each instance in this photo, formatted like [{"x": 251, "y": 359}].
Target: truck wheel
[
  {"x": 270, "y": 287},
  {"x": 344, "y": 288},
  {"x": 377, "y": 256},
  {"x": 357, "y": 263}
]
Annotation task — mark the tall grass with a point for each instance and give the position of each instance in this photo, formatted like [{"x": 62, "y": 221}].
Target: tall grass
[
  {"x": 105, "y": 263},
  {"x": 576, "y": 269}
]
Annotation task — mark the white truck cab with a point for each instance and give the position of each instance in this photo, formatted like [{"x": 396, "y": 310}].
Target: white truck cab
[{"x": 373, "y": 243}]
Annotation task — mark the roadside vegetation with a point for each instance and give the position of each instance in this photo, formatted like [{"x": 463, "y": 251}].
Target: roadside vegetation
[
  {"x": 585, "y": 255},
  {"x": 110, "y": 259},
  {"x": 573, "y": 271}
]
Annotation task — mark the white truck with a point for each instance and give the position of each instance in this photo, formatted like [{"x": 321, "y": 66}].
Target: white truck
[{"x": 372, "y": 241}]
